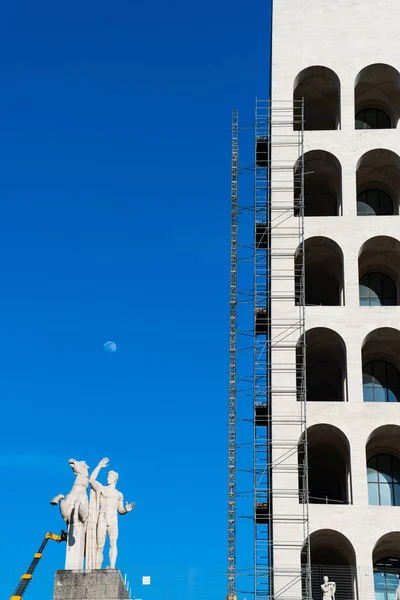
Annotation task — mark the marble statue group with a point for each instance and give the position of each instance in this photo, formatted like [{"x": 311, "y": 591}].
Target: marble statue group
[{"x": 90, "y": 520}]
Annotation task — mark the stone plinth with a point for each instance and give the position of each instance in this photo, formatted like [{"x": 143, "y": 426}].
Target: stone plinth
[{"x": 100, "y": 584}]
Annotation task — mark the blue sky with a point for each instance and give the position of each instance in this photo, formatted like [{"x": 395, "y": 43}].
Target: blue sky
[{"x": 114, "y": 225}]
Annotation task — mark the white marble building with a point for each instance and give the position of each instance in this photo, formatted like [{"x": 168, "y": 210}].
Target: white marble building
[{"x": 343, "y": 58}]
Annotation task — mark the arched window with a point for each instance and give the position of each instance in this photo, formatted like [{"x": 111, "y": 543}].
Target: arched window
[
  {"x": 372, "y": 118},
  {"x": 381, "y": 382},
  {"x": 386, "y": 577},
  {"x": 378, "y": 170},
  {"x": 377, "y": 97},
  {"x": 374, "y": 202},
  {"x": 377, "y": 289},
  {"x": 383, "y": 472},
  {"x": 332, "y": 554}
]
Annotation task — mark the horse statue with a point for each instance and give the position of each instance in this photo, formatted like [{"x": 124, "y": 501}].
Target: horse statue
[{"x": 74, "y": 510}]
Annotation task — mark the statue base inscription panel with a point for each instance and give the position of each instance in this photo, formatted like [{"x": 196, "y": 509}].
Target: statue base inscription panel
[{"x": 99, "y": 584}]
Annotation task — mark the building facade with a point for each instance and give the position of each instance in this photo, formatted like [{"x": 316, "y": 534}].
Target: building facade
[{"x": 334, "y": 255}]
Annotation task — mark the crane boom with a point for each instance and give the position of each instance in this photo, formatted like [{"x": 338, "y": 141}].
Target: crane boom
[{"x": 27, "y": 577}]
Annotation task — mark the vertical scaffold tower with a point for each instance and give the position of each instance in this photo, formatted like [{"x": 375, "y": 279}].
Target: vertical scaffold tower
[
  {"x": 232, "y": 363},
  {"x": 267, "y": 391}
]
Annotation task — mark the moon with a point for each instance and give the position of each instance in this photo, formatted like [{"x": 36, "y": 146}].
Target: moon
[{"x": 110, "y": 347}]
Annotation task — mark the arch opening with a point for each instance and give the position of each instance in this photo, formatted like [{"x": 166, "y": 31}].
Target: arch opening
[
  {"x": 383, "y": 466},
  {"x": 320, "y": 88},
  {"x": 379, "y": 268},
  {"x": 377, "y": 97},
  {"x": 325, "y": 358},
  {"x": 386, "y": 563},
  {"x": 381, "y": 366},
  {"x": 378, "y": 181},
  {"x": 323, "y": 279},
  {"x": 329, "y": 472},
  {"x": 332, "y": 556},
  {"x": 322, "y": 185}
]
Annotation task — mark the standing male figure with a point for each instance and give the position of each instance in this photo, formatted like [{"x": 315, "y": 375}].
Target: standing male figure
[
  {"x": 328, "y": 589},
  {"x": 111, "y": 503}
]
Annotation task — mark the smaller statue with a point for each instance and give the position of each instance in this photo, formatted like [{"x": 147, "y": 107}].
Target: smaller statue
[
  {"x": 328, "y": 589},
  {"x": 111, "y": 503},
  {"x": 398, "y": 592}
]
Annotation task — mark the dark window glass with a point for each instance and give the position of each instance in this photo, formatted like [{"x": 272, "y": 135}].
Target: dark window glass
[
  {"x": 374, "y": 202},
  {"x": 383, "y": 476},
  {"x": 381, "y": 382},
  {"x": 377, "y": 289},
  {"x": 372, "y": 118},
  {"x": 372, "y": 470},
  {"x": 386, "y": 578}
]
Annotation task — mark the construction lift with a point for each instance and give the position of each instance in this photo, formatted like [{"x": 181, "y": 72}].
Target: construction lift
[{"x": 26, "y": 577}]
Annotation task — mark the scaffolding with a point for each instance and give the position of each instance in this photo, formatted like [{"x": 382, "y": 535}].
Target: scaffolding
[
  {"x": 267, "y": 391},
  {"x": 232, "y": 364}
]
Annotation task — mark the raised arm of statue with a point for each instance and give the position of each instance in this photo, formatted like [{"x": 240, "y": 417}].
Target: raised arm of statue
[
  {"x": 92, "y": 479},
  {"x": 122, "y": 510}
]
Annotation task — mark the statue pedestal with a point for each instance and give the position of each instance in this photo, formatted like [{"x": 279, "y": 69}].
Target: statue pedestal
[{"x": 99, "y": 584}]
